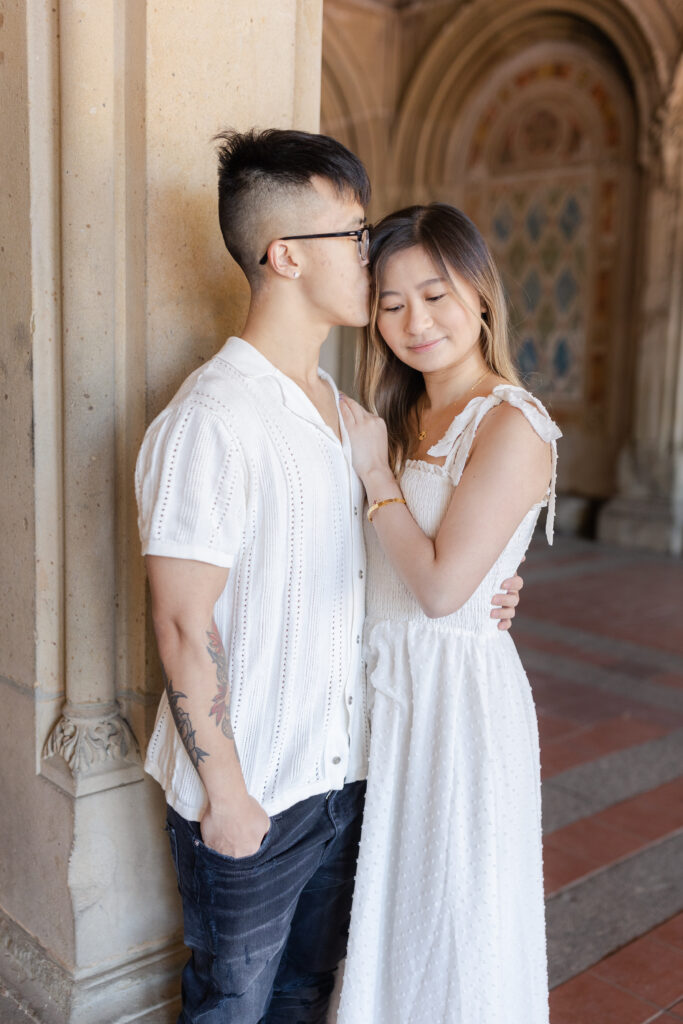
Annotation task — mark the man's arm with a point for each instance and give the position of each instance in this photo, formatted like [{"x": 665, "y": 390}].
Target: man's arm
[{"x": 184, "y": 593}]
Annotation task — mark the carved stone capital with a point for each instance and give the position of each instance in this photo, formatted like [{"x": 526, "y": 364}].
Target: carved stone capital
[{"x": 91, "y": 748}]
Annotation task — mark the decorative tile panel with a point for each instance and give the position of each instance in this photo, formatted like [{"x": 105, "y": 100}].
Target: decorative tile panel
[
  {"x": 543, "y": 164},
  {"x": 543, "y": 259}
]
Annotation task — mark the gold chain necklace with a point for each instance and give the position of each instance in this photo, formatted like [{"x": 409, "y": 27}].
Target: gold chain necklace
[{"x": 421, "y": 434}]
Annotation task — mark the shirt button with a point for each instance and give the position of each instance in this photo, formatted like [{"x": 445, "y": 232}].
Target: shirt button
[
  {"x": 355, "y": 510},
  {"x": 336, "y": 760},
  {"x": 360, "y": 573},
  {"x": 350, "y": 700},
  {"x": 358, "y": 639}
]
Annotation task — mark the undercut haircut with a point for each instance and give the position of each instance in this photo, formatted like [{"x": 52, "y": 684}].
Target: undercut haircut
[{"x": 263, "y": 172}]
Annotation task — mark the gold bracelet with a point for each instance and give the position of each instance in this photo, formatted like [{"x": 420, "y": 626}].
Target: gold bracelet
[{"x": 378, "y": 504}]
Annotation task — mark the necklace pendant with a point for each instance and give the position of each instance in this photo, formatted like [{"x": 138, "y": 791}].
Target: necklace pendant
[{"x": 421, "y": 436}]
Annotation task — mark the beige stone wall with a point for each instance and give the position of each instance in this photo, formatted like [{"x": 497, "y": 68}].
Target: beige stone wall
[
  {"x": 116, "y": 284},
  {"x": 36, "y": 836},
  {"x": 16, "y": 495}
]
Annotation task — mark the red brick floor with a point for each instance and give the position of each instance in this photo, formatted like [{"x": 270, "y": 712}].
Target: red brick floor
[
  {"x": 640, "y": 983},
  {"x": 587, "y": 742},
  {"x": 601, "y": 839},
  {"x": 636, "y": 599},
  {"x": 635, "y": 603}
]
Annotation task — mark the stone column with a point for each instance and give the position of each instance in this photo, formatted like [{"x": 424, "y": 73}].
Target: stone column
[
  {"x": 118, "y": 286},
  {"x": 92, "y": 746},
  {"x": 648, "y": 510}
]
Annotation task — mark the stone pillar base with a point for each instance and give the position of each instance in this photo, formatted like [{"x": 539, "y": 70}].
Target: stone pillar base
[
  {"x": 651, "y": 523},
  {"x": 144, "y": 987}
]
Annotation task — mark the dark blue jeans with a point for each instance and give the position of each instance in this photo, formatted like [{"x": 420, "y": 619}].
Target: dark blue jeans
[{"x": 266, "y": 932}]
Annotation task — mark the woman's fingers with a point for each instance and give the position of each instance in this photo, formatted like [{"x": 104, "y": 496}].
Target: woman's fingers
[
  {"x": 354, "y": 408},
  {"x": 347, "y": 411},
  {"x": 508, "y": 612},
  {"x": 354, "y": 413},
  {"x": 515, "y": 583}
]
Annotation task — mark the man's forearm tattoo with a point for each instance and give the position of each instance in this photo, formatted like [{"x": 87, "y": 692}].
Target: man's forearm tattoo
[
  {"x": 183, "y": 723},
  {"x": 220, "y": 707}
]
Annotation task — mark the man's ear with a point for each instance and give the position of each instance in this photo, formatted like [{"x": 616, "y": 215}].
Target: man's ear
[{"x": 283, "y": 260}]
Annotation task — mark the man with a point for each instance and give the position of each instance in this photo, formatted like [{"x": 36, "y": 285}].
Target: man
[{"x": 251, "y": 522}]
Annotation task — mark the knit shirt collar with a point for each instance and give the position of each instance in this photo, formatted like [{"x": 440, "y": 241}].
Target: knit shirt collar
[{"x": 248, "y": 361}]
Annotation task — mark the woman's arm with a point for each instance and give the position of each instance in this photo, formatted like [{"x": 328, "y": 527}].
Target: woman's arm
[{"x": 507, "y": 473}]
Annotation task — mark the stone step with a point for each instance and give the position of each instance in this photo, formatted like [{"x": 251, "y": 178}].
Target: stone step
[{"x": 598, "y": 914}]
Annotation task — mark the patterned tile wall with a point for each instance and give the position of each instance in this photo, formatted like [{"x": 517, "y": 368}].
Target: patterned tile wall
[
  {"x": 540, "y": 233},
  {"x": 543, "y": 164}
]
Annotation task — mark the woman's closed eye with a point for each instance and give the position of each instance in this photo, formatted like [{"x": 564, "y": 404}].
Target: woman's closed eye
[{"x": 399, "y": 305}]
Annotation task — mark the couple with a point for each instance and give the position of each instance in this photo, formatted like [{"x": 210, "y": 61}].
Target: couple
[{"x": 251, "y": 490}]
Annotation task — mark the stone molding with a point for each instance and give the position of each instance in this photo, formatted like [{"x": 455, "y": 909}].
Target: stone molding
[
  {"x": 144, "y": 981},
  {"x": 90, "y": 749}
]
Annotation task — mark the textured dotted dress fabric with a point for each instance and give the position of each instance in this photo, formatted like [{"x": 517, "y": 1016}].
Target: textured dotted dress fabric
[{"x": 448, "y": 915}]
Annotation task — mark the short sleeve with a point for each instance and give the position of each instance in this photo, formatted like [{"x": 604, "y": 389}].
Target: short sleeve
[{"x": 190, "y": 484}]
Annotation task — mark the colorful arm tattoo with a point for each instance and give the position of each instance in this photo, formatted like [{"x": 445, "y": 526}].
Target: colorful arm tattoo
[{"x": 220, "y": 708}]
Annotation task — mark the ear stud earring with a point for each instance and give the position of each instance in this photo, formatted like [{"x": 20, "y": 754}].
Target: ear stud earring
[{"x": 295, "y": 274}]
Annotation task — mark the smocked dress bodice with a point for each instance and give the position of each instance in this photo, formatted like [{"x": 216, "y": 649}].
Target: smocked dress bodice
[{"x": 428, "y": 489}]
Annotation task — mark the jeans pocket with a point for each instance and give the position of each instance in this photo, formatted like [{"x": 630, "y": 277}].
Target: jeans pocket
[{"x": 237, "y": 862}]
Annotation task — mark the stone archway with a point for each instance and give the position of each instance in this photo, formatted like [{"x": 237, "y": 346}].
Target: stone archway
[
  {"x": 533, "y": 122},
  {"x": 483, "y": 33},
  {"x": 343, "y": 102},
  {"x": 545, "y": 157}
]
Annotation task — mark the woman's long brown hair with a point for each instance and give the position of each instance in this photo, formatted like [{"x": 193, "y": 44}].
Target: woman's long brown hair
[{"x": 387, "y": 386}]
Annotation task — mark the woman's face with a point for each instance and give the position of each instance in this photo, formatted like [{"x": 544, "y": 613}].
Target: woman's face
[{"x": 421, "y": 318}]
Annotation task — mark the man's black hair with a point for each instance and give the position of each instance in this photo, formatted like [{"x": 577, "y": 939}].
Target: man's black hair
[{"x": 257, "y": 164}]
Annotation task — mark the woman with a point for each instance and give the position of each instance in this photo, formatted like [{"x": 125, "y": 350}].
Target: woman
[{"x": 448, "y": 922}]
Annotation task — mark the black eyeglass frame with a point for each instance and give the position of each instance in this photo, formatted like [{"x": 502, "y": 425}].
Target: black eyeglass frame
[{"x": 360, "y": 234}]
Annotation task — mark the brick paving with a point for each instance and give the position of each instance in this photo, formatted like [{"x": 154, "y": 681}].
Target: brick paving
[{"x": 599, "y": 632}]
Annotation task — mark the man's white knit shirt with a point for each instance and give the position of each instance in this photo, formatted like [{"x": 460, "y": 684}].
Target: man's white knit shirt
[{"x": 241, "y": 471}]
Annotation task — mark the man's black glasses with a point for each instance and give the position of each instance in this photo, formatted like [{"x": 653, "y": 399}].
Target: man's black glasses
[{"x": 362, "y": 236}]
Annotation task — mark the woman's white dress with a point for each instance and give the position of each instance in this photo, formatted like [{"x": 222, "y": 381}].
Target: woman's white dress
[{"x": 447, "y": 924}]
